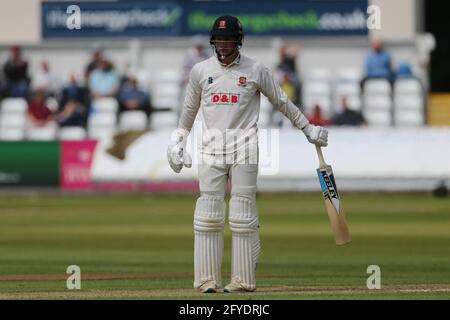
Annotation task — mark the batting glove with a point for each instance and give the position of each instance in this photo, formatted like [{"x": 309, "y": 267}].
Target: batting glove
[
  {"x": 316, "y": 135},
  {"x": 176, "y": 151}
]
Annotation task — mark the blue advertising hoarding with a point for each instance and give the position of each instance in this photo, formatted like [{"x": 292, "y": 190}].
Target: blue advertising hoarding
[
  {"x": 112, "y": 19},
  {"x": 185, "y": 18}
]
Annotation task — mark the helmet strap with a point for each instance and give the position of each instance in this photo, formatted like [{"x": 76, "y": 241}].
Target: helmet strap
[{"x": 222, "y": 57}]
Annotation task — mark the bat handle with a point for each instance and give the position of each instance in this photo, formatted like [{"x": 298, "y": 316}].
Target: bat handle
[{"x": 320, "y": 155}]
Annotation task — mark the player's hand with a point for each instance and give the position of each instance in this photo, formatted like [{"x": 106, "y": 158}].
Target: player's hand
[
  {"x": 316, "y": 135},
  {"x": 176, "y": 151}
]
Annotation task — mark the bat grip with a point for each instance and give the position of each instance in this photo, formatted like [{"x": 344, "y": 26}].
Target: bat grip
[{"x": 320, "y": 155}]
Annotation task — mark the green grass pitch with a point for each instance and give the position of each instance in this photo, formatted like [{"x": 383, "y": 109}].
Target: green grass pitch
[{"x": 141, "y": 247}]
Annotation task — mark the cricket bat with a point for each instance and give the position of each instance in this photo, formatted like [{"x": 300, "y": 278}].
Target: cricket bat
[{"x": 332, "y": 201}]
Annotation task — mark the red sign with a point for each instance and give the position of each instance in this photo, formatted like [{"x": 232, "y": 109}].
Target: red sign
[
  {"x": 76, "y": 163},
  {"x": 225, "y": 98}
]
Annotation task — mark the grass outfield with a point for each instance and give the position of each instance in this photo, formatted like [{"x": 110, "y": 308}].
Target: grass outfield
[{"x": 141, "y": 247}]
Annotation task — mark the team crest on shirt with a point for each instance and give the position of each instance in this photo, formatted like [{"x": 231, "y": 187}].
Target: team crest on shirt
[{"x": 242, "y": 82}]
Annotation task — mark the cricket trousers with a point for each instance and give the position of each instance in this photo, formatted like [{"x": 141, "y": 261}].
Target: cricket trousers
[{"x": 214, "y": 172}]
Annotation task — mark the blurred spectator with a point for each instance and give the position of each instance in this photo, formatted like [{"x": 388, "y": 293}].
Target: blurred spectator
[
  {"x": 73, "y": 103},
  {"x": 316, "y": 117},
  {"x": 289, "y": 87},
  {"x": 378, "y": 62},
  {"x": 73, "y": 91},
  {"x": 72, "y": 113},
  {"x": 16, "y": 74},
  {"x": 97, "y": 57},
  {"x": 195, "y": 54},
  {"x": 39, "y": 113},
  {"x": 348, "y": 117},
  {"x": 104, "y": 81},
  {"x": 132, "y": 98},
  {"x": 287, "y": 74},
  {"x": 44, "y": 80},
  {"x": 404, "y": 71}
]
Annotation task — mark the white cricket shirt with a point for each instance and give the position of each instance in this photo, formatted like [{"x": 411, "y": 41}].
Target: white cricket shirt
[{"x": 228, "y": 99}]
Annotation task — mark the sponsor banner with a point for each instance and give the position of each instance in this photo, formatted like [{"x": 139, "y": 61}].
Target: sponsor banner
[
  {"x": 26, "y": 163},
  {"x": 283, "y": 18},
  {"x": 76, "y": 162},
  {"x": 111, "y": 19},
  {"x": 185, "y": 18}
]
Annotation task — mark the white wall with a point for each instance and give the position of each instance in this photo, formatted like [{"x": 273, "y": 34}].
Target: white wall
[
  {"x": 20, "y": 21},
  {"x": 362, "y": 158},
  {"x": 398, "y": 20}
]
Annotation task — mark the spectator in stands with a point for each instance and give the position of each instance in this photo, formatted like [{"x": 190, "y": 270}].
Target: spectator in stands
[
  {"x": 73, "y": 113},
  {"x": 44, "y": 80},
  {"x": 195, "y": 54},
  {"x": 286, "y": 73},
  {"x": 16, "y": 74},
  {"x": 348, "y": 117},
  {"x": 132, "y": 98},
  {"x": 104, "y": 81},
  {"x": 378, "y": 62},
  {"x": 289, "y": 86},
  {"x": 316, "y": 117},
  {"x": 39, "y": 113},
  {"x": 73, "y": 91},
  {"x": 73, "y": 103},
  {"x": 404, "y": 71},
  {"x": 97, "y": 57}
]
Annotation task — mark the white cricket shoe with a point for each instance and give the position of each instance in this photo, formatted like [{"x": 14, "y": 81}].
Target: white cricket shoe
[
  {"x": 236, "y": 286},
  {"x": 208, "y": 286}
]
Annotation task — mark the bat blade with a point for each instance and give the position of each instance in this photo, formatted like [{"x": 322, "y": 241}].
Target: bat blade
[{"x": 333, "y": 205}]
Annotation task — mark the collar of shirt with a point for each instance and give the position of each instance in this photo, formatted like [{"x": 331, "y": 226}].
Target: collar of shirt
[{"x": 236, "y": 61}]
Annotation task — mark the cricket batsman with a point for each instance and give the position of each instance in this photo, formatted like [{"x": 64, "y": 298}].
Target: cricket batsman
[{"x": 226, "y": 89}]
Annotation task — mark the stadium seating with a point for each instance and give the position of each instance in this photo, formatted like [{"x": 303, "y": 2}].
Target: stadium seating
[
  {"x": 165, "y": 90},
  {"x": 72, "y": 133},
  {"x": 377, "y": 100},
  {"x": 14, "y": 105},
  {"x": 319, "y": 75},
  {"x": 348, "y": 75},
  {"x": 317, "y": 92},
  {"x": 347, "y": 83},
  {"x": 378, "y": 110},
  {"x": 47, "y": 133},
  {"x": 105, "y": 105},
  {"x": 13, "y": 119},
  {"x": 12, "y": 134},
  {"x": 163, "y": 120},
  {"x": 408, "y": 103},
  {"x": 382, "y": 105},
  {"x": 100, "y": 124},
  {"x": 133, "y": 120}
]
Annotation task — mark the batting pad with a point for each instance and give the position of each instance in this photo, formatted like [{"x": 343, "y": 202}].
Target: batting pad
[
  {"x": 209, "y": 220},
  {"x": 244, "y": 226}
]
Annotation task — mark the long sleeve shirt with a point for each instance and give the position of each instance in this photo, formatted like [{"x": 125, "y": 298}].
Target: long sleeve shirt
[{"x": 228, "y": 99}]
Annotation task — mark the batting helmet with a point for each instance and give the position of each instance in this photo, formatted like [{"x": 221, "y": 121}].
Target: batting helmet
[{"x": 227, "y": 26}]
